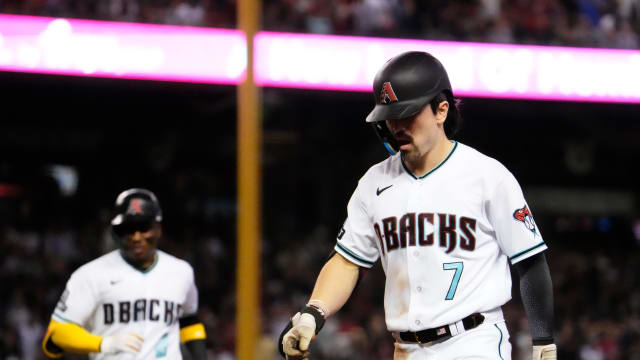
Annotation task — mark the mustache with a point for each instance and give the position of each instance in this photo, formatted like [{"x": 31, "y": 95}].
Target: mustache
[{"x": 401, "y": 136}]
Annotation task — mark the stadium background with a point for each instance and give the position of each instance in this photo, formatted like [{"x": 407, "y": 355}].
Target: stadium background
[{"x": 576, "y": 162}]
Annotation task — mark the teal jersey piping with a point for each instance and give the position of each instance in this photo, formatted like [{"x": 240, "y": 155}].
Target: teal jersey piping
[
  {"x": 64, "y": 319},
  {"x": 455, "y": 145},
  {"x": 353, "y": 255},
  {"x": 499, "y": 342},
  {"x": 542, "y": 243},
  {"x": 155, "y": 262}
]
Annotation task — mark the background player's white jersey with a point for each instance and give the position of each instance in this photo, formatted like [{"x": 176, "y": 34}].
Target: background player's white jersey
[
  {"x": 108, "y": 296},
  {"x": 444, "y": 239}
]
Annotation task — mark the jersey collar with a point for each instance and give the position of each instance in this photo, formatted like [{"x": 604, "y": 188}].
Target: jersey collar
[
  {"x": 455, "y": 145},
  {"x": 147, "y": 270}
]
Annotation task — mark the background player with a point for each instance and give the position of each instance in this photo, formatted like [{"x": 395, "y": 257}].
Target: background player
[
  {"x": 444, "y": 220},
  {"x": 134, "y": 300}
]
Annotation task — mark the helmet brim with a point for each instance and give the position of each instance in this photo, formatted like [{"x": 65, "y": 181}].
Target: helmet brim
[
  {"x": 131, "y": 224},
  {"x": 397, "y": 110},
  {"x": 128, "y": 218}
]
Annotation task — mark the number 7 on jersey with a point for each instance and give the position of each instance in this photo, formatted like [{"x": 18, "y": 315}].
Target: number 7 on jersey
[{"x": 457, "y": 266}]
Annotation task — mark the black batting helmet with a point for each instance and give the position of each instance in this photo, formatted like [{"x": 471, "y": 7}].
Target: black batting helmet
[
  {"x": 404, "y": 85},
  {"x": 135, "y": 209}
]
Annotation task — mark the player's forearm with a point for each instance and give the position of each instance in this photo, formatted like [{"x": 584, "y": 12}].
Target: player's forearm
[
  {"x": 335, "y": 284},
  {"x": 537, "y": 297},
  {"x": 70, "y": 338},
  {"x": 197, "y": 349},
  {"x": 193, "y": 336}
]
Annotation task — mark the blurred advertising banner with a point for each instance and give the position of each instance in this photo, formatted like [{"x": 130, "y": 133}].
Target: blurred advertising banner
[
  {"x": 307, "y": 61},
  {"x": 121, "y": 50},
  {"x": 475, "y": 69}
]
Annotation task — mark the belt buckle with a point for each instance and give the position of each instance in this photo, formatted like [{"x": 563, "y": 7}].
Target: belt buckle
[
  {"x": 415, "y": 334},
  {"x": 478, "y": 319},
  {"x": 475, "y": 319}
]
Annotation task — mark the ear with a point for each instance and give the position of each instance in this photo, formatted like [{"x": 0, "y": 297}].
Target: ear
[
  {"x": 157, "y": 228},
  {"x": 441, "y": 113}
]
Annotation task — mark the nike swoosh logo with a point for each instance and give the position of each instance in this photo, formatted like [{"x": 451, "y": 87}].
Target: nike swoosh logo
[
  {"x": 113, "y": 282},
  {"x": 379, "y": 191}
]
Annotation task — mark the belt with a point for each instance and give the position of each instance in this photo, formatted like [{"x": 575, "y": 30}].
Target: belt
[{"x": 428, "y": 335}]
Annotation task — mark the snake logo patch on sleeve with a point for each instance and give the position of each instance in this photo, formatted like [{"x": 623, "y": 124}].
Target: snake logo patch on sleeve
[{"x": 524, "y": 215}]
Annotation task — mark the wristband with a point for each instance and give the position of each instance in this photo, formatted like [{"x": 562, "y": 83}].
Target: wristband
[{"x": 313, "y": 311}]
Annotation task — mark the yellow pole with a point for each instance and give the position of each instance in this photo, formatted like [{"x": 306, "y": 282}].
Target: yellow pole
[{"x": 248, "y": 328}]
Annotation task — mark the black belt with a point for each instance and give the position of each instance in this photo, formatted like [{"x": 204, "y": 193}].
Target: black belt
[{"x": 428, "y": 335}]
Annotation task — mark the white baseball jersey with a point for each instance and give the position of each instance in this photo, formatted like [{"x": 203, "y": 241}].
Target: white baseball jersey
[
  {"x": 444, "y": 238},
  {"x": 108, "y": 296}
]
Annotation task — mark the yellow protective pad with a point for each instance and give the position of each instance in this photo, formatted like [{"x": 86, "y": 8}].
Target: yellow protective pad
[
  {"x": 192, "y": 332},
  {"x": 48, "y": 347},
  {"x": 69, "y": 337}
]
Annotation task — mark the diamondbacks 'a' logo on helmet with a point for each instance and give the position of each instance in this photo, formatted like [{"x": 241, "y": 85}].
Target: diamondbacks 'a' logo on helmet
[
  {"x": 387, "y": 95},
  {"x": 135, "y": 207},
  {"x": 524, "y": 216}
]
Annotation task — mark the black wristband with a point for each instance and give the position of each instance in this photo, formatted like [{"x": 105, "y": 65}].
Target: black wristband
[
  {"x": 316, "y": 315},
  {"x": 542, "y": 341}
]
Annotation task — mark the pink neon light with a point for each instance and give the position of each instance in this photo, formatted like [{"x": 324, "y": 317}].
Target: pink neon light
[
  {"x": 478, "y": 70},
  {"x": 121, "y": 50},
  {"x": 173, "y": 53}
]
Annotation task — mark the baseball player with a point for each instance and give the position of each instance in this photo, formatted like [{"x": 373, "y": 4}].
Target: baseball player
[
  {"x": 445, "y": 221},
  {"x": 136, "y": 302}
]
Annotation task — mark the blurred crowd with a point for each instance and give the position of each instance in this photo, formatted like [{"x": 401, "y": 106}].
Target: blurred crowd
[{"x": 584, "y": 23}]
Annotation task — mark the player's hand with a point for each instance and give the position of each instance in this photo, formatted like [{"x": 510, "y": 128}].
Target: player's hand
[
  {"x": 305, "y": 356},
  {"x": 295, "y": 342},
  {"x": 119, "y": 343},
  {"x": 544, "y": 352}
]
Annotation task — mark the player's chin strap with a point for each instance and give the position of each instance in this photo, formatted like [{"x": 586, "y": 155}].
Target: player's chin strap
[{"x": 387, "y": 138}]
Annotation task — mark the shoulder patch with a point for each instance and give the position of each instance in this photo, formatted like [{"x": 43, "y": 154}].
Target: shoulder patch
[{"x": 525, "y": 217}]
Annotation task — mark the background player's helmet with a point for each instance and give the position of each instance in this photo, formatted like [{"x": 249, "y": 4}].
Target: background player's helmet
[
  {"x": 135, "y": 209},
  {"x": 404, "y": 85}
]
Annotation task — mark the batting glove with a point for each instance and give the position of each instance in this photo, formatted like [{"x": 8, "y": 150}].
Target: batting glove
[
  {"x": 119, "y": 343},
  {"x": 296, "y": 341},
  {"x": 544, "y": 352}
]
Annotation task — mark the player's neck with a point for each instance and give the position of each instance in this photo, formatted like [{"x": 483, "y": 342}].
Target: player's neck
[
  {"x": 142, "y": 266},
  {"x": 147, "y": 264},
  {"x": 429, "y": 160}
]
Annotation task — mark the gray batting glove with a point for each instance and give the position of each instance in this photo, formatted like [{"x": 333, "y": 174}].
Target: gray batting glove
[
  {"x": 295, "y": 342},
  {"x": 545, "y": 352},
  {"x": 121, "y": 343}
]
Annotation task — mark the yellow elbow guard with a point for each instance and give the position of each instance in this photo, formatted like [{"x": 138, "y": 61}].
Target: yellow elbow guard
[
  {"x": 192, "y": 332},
  {"x": 48, "y": 347},
  {"x": 69, "y": 337}
]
